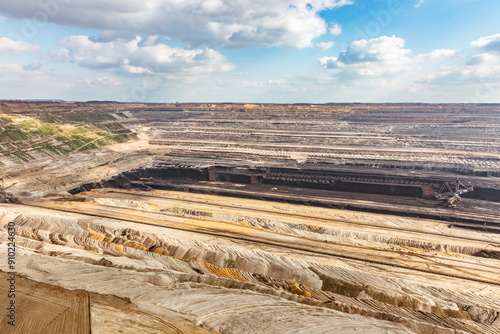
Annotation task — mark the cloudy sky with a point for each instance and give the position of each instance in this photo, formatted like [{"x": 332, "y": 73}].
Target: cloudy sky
[{"x": 280, "y": 51}]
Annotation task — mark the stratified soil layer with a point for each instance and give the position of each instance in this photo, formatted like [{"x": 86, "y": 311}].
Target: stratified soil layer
[{"x": 239, "y": 218}]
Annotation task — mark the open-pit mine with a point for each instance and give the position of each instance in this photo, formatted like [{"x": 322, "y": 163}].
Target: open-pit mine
[{"x": 249, "y": 218}]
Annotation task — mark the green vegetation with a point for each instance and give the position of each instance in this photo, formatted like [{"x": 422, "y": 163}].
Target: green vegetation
[
  {"x": 20, "y": 156},
  {"x": 54, "y": 149},
  {"x": 230, "y": 263},
  {"x": 4, "y": 121},
  {"x": 12, "y": 134},
  {"x": 80, "y": 131},
  {"x": 76, "y": 118},
  {"x": 22, "y": 137}
]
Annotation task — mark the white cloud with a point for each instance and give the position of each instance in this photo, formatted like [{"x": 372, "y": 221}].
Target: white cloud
[
  {"x": 377, "y": 56},
  {"x": 8, "y": 46},
  {"x": 489, "y": 43},
  {"x": 234, "y": 24},
  {"x": 18, "y": 83},
  {"x": 110, "y": 36},
  {"x": 104, "y": 81},
  {"x": 335, "y": 30},
  {"x": 379, "y": 49},
  {"x": 463, "y": 76},
  {"x": 324, "y": 45},
  {"x": 13, "y": 74},
  {"x": 140, "y": 56},
  {"x": 384, "y": 56},
  {"x": 439, "y": 54},
  {"x": 481, "y": 70},
  {"x": 481, "y": 59},
  {"x": 34, "y": 66},
  {"x": 276, "y": 82},
  {"x": 420, "y": 3}
]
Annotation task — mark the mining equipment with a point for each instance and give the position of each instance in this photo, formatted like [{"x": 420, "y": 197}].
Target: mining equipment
[{"x": 450, "y": 193}]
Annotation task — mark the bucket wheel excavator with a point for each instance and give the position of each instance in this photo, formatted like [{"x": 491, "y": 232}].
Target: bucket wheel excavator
[{"x": 450, "y": 193}]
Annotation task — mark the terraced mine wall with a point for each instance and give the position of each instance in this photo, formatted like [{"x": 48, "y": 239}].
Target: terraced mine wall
[
  {"x": 312, "y": 179},
  {"x": 485, "y": 194},
  {"x": 348, "y": 182}
]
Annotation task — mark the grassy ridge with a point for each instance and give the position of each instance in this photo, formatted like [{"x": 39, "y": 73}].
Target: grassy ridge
[{"x": 24, "y": 139}]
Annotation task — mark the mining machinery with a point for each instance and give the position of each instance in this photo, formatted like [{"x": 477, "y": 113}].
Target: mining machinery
[{"x": 450, "y": 193}]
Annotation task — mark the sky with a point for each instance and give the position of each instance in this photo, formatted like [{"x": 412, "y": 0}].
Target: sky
[{"x": 280, "y": 51}]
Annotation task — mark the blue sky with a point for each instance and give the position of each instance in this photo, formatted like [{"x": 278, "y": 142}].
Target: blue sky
[{"x": 282, "y": 51}]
